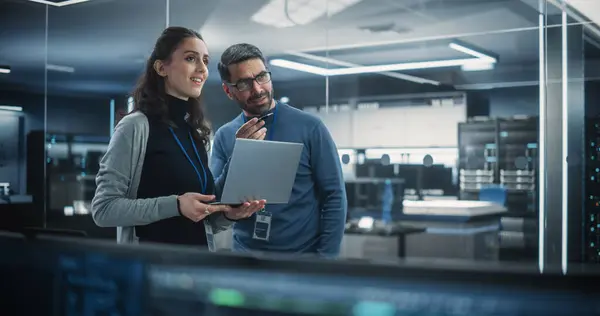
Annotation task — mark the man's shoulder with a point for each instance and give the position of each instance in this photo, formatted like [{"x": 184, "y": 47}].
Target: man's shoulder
[
  {"x": 231, "y": 125},
  {"x": 301, "y": 116},
  {"x": 229, "y": 128}
]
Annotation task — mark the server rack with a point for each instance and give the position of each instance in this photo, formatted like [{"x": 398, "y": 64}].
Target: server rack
[
  {"x": 477, "y": 157},
  {"x": 592, "y": 188},
  {"x": 62, "y": 170},
  {"x": 503, "y": 152},
  {"x": 518, "y": 165}
]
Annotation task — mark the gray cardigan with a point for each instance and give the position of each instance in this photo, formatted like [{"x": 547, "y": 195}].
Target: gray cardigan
[{"x": 115, "y": 203}]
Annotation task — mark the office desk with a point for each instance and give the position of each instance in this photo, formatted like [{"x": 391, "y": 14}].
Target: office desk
[
  {"x": 454, "y": 229},
  {"x": 451, "y": 229},
  {"x": 377, "y": 243}
]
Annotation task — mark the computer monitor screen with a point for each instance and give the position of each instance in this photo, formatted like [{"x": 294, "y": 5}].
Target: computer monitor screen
[
  {"x": 93, "y": 278},
  {"x": 53, "y": 278}
]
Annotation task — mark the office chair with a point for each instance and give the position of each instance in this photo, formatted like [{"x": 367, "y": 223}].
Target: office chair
[{"x": 493, "y": 193}]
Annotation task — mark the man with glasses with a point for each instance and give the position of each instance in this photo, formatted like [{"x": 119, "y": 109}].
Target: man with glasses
[{"x": 313, "y": 221}]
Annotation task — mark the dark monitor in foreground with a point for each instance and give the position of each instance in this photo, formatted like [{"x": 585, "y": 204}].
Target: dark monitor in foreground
[{"x": 61, "y": 277}]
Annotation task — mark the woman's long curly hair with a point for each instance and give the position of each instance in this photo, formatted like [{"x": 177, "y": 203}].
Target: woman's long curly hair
[{"x": 149, "y": 94}]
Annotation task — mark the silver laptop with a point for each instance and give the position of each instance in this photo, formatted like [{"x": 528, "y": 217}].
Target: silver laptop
[{"x": 261, "y": 170}]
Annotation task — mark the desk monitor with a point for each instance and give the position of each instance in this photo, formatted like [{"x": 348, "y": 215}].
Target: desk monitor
[{"x": 261, "y": 170}]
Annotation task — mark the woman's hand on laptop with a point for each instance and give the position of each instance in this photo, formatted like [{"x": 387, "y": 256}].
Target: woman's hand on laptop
[
  {"x": 245, "y": 210},
  {"x": 253, "y": 129},
  {"x": 196, "y": 207}
]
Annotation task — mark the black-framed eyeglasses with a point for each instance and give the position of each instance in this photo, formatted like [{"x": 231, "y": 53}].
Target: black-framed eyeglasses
[{"x": 246, "y": 84}]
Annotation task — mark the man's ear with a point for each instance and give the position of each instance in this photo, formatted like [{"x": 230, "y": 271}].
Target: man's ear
[
  {"x": 227, "y": 90},
  {"x": 159, "y": 67}
]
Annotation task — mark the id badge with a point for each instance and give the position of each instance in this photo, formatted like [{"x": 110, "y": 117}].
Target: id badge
[
  {"x": 210, "y": 237},
  {"x": 262, "y": 225}
]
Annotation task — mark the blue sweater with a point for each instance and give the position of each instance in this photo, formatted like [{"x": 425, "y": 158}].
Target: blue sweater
[{"x": 313, "y": 221}]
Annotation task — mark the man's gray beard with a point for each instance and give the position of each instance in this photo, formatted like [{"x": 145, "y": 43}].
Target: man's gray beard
[{"x": 257, "y": 111}]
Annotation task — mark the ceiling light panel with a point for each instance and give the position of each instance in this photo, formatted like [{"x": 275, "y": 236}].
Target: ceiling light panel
[
  {"x": 299, "y": 66},
  {"x": 59, "y": 3},
  {"x": 478, "y": 61},
  {"x": 472, "y": 52},
  {"x": 372, "y": 69},
  {"x": 298, "y": 12},
  {"x": 60, "y": 68},
  {"x": 477, "y": 66},
  {"x": 11, "y": 108}
]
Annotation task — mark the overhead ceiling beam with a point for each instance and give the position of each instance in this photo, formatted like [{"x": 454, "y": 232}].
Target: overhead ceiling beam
[
  {"x": 524, "y": 10},
  {"x": 574, "y": 10},
  {"x": 420, "y": 39}
]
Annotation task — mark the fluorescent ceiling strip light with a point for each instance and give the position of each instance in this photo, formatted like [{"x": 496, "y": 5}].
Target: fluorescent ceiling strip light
[
  {"x": 11, "y": 108},
  {"x": 371, "y": 69},
  {"x": 4, "y": 70},
  {"x": 299, "y": 66},
  {"x": 479, "y": 59},
  {"x": 477, "y": 67},
  {"x": 402, "y": 66},
  {"x": 59, "y": 4},
  {"x": 60, "y": 68},
  {"x": 347, "y": 64},
  {"x": 473, "y": 53}
]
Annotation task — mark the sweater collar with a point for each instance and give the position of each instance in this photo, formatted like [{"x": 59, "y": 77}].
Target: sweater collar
[{"x": 178, "y": 109}]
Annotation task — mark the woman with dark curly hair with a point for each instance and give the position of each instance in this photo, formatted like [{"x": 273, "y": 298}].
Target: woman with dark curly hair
[{"x": 154, "y": 183}]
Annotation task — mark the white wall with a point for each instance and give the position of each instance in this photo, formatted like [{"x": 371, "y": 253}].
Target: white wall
[{"x": 400, "y": 127}]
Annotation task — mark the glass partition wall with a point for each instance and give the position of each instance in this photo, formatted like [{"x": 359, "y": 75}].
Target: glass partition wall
[
  {"x": 571, "y": 112},
  {"x": 440, "y": 99},
  {"x": 23, "y": 49},
  {"x": 96, "y": 51},
  {"x": 474, "y": 122}
]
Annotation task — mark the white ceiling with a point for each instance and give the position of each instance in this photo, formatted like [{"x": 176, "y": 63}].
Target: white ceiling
[
  {"x": 589, "y": 8},
  {"x": 106, "y": 41},
  {"x": 417, "y": 30}
]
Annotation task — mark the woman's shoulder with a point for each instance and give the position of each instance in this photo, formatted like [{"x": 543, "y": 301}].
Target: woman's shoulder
[
  {"x": 133, "y": 121},
  {"x": 131, "y": 132}
]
